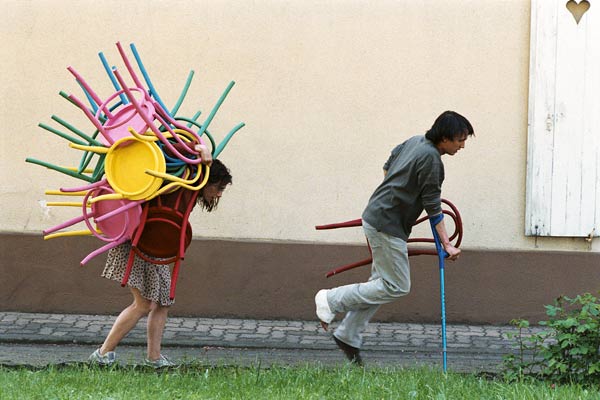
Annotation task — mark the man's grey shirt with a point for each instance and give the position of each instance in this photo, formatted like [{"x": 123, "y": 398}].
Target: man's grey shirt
[{"x": 413, "y": 182}]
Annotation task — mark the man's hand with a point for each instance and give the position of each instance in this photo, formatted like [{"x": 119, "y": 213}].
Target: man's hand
[
  {"x": 204, "y": 154},
  {"x": 452, "y": 251}
]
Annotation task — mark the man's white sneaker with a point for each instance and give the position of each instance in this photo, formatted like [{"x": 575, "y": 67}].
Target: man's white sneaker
[{"x": 323, "y": 311}]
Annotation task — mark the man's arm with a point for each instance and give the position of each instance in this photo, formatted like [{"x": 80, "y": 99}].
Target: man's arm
[{"x": 452, "y": 251}]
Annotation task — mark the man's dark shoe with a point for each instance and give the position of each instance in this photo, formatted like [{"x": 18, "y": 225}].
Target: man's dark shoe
[{"x": 352, "y": 353}]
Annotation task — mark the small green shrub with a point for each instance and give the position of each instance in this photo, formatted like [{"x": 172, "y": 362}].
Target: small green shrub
[{"x": 568, "y": 351}]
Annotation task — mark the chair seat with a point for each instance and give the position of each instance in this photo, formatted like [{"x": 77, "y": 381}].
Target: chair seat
[{"x": 162, "y": 232}]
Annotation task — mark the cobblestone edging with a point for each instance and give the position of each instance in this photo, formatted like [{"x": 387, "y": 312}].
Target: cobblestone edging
[{"x": 76, "y": 328}]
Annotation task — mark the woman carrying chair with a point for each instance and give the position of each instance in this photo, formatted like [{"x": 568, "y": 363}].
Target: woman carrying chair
[{"x": 149, "y": 282}]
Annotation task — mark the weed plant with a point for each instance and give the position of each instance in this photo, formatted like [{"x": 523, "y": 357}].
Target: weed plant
[{"x": 567, "y": 351}]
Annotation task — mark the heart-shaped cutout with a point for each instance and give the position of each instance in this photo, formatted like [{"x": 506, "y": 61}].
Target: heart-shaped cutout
[{"x": 578, "y": 9}]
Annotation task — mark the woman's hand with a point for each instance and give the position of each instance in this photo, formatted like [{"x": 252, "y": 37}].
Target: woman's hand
[{"x": 204, "y": 154}]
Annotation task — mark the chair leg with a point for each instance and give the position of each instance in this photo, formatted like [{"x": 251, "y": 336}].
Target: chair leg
[
  {"x": 102, "y": 250},
  {"x": 128, "y": 268},
  {"x": 174, "y": 278}
]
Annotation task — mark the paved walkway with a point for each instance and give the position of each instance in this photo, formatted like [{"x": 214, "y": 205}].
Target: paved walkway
[{"x": 34, "y": 339}]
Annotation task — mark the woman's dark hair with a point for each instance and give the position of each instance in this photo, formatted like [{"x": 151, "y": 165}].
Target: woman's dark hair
[
  {"x": 449, "y": 125},
  {"x": 220, "y": 175}
]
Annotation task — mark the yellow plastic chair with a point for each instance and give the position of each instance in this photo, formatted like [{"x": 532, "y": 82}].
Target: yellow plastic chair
[
  {"x": 125, "y": 167},
  {"x": 181, "y": 183},
  {"x": 176, "y": 181}
]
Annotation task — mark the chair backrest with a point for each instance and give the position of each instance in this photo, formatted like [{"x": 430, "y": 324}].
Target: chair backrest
[{"x": 164, "y": 232}]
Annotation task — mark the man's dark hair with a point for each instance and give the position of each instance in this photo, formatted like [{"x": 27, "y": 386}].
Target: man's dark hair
[
  {"x": 449, "y": 125},
  {"x": 219, "y": 174}
]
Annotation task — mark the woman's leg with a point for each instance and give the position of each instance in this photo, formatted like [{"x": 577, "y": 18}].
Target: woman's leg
[
  {"x": 156, "y": 325},
  {"x": 126, "y": 321}
]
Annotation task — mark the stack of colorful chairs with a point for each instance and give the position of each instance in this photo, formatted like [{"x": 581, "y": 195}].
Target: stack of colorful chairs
[{"x": 136, "y": 150}]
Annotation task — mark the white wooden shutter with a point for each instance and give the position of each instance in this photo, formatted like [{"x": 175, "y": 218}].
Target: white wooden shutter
[{"x": 563, "y": 160}]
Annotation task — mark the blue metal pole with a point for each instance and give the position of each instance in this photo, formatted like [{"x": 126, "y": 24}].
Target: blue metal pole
[{"x": 436, "y": 219}]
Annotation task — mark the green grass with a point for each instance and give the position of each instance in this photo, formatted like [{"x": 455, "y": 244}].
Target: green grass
[{"x": 309, "y": 382}]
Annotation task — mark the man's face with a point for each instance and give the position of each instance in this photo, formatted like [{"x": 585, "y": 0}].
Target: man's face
[{"x": 451, "y": 147}]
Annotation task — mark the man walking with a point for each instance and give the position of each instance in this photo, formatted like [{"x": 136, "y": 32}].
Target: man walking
[{"x": 413, "y": 177}]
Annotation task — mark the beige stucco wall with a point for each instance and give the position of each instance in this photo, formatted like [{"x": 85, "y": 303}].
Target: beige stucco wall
[{"x": 326, "y": 89}]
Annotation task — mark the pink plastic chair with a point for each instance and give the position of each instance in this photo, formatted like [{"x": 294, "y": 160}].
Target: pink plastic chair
[
  {"x": 115, "y": 220},
  {"x": 117, "y": 125},
  {"x": 150, "y": 124},
  {"x": 140, "y": 115},
  {"x": 116, "y": 122}
]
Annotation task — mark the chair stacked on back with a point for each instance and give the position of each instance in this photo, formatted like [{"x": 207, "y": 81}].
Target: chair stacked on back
[{"x": 136, "y": 153}]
